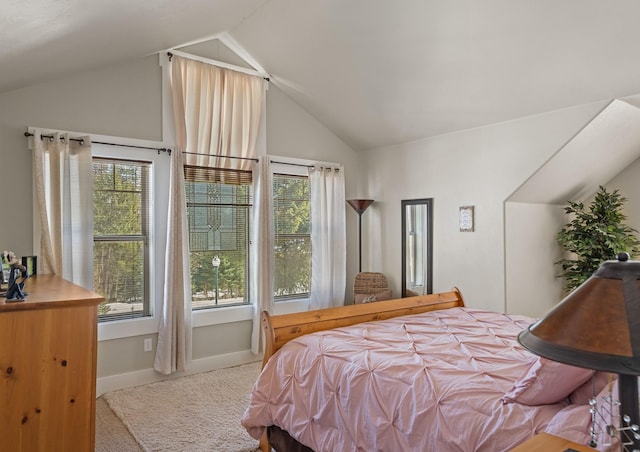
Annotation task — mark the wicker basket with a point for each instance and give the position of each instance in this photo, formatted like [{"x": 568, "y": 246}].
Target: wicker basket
[{"x": 369, "y": 283}]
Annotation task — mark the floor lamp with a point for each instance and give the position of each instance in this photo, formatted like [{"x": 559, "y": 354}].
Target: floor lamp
[{"x": 360, "y": 205}]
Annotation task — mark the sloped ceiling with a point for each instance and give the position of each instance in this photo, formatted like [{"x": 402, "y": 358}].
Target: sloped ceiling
[
  {"x": 44, "y": 39},
  {"x": 594, "y": 156},
  {"x": 376, "y": 72}
]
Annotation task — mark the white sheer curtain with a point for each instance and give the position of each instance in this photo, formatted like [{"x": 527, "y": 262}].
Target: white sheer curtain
[
  {"x": 173, "y": 353},
  {"x": 262, "y": 257},
  {"x": 64, "y": 193},
  {"x": 328, "y": 237},
  {"x": 216, "y": 111}
]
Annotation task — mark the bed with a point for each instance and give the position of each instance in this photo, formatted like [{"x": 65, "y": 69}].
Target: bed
[{"x": 419, "y": 373}]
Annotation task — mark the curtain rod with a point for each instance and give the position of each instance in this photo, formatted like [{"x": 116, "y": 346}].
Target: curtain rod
[
  {"x": 231, "y": 67},
  {"x": 222, "y": 156},
  {"x": 292, "y": 164},
  {"x": 303, "y": 165},
  {"x": 168, "y": 151},
  {"x": 81, "y": 141}
]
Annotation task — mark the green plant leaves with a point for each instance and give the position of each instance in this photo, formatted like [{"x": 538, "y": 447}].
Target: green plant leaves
[{"x": 595, "y": 234}]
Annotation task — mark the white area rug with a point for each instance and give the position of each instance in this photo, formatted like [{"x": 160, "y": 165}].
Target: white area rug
[{"x": 198, "y": 412}]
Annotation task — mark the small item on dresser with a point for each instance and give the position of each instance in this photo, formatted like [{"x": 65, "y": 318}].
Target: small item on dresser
[
  {"x": 15, "y": 285},
  {"x": 31, "y": 262},
  {"x": 4, "y": 266}
]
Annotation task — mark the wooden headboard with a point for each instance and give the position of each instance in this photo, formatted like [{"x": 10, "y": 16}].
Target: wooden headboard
[{"x": 280, "y": 329}]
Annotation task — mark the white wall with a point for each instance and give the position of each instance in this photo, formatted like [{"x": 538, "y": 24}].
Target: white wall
[
  {"x": 532, "y": 287},
  {"x": 292, "y": 132},
  {"x": 534, "y": 213},
  {"x": 530, "y": 231},
  {"x": 480, "y": 167},
  {"x": 120, "y": 101},
  {"x": 628, "y": 182}
]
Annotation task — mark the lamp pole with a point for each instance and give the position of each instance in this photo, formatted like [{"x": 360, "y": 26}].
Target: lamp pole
[
  {"x": 360, "y": 205},
  {"x": 216, "y": 264},
  {"x": 359, "y": 242}
]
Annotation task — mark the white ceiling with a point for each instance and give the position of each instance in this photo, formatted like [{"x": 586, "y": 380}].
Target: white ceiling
[
  {"x": 377, "y": 72},
  {"x": 40, "y": 39}
]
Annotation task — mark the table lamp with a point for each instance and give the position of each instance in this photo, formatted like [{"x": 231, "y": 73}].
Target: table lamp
[{"x": 597, "y": 326}]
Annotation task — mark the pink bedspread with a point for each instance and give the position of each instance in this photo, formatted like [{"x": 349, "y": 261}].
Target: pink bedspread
[{"x": 427, "y": 382}]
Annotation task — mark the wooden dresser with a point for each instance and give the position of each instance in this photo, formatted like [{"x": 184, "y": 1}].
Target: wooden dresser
[{"x": 48, "y": 346}]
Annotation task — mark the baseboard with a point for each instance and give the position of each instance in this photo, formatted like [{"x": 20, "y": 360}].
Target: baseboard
[{"x": 141, "y": 377}]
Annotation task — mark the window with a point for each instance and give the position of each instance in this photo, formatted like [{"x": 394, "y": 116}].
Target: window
[
  {"x": 218, "y": 211},
  {"x": 121, "y": 236},
  {"x": 292, "y": 226}
]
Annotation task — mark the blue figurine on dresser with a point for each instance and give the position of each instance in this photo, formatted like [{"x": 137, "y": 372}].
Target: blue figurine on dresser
[{"x": 16, "y": 278}]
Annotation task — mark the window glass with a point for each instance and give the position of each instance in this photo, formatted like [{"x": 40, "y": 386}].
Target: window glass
[
  {"x": 121, "y": 215},
  {"x": 292, "y": 226},
  {"x": 218, "y": 212}
]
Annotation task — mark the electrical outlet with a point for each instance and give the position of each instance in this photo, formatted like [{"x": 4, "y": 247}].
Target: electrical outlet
[{"x": 148, "y": 345}]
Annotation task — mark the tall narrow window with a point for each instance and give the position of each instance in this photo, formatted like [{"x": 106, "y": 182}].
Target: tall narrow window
[
  {"x": 218, "y": 211},
  {"x": 292, "y": 226},
  {"x": 121, "y": 225}
]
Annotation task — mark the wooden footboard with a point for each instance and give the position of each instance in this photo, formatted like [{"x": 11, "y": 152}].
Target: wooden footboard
[{"x": 280, "y": 329}]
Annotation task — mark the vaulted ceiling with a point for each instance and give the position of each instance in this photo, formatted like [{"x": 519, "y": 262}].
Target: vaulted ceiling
[{"x": 376, "y": 72}]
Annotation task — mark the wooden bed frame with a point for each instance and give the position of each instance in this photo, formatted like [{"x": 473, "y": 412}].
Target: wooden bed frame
[{"x": 280, "y": 329}]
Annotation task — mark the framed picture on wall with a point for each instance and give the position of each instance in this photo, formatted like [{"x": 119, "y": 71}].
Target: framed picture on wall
[{"x": 466, "y": 218}]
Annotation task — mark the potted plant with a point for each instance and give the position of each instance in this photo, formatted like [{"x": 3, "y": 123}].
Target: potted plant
[{"x": 595, "y": 234}]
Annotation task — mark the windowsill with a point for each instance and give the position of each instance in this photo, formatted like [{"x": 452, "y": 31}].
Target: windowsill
[
  {"x": 149, "y": 325},
  {"x": 127, "y": 328},
  {"x": 216, "y": 316},
  {"x": 291, "y": 306},
  {"x": 206, "y": 317}
]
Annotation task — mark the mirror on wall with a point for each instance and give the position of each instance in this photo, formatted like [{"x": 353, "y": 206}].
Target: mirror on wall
[{"x": 417, "y": 241}]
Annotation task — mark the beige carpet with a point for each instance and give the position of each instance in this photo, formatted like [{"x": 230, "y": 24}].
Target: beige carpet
[
  {"x": 111, "y": 434},
  {"x": 195, "y": 413}
]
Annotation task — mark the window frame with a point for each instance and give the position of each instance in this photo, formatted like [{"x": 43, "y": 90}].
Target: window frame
[
  {"x": 145, "y": 237},
  {"x": 248, "y": 244},
  {"x": 293, "y": 167},
  {"x": 159, "y": 192},
  {"x": 297, "y": 172}
]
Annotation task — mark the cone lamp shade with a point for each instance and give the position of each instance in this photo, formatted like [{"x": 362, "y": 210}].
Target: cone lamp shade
[{"x": 360, "y": 205}]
